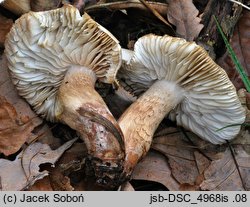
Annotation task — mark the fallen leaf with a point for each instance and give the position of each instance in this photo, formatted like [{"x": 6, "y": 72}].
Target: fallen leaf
[
  {"x": 44, "y": 5},
  {"x": 202, "y": 162},
  {"x": 154, "y": 167},
  {"x": 127, "y": 187},
  {"x": 70, "y": 162},
  {"x": 41, "y": 185},
  {"x": 80, "y": 4},
  {"x": 240, "y": 43},
  {"x": 222, "y": 174},
  {"x": 59, "y": 182},
  {"x": 5, "y": 25},
  {"x": 73, "y": 159},
  {"x": 24, "y": 170},
  {"x": 13, "y": 132},
  {"x": 93, "y": 5},
  {"x": 69, "y": 173},
  {"x": 196, "y": 165},
  {"x": 180, "y": 156},
  {"x": 17, "y": 119},
  {"x": 244, "y": 98},
  {"x": 183, "y": 14}
]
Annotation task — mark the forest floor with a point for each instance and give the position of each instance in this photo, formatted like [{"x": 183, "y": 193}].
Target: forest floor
[{"x": 39, "y": 155}]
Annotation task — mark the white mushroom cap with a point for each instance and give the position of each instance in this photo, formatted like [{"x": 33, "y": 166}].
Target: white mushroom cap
[
  {"x": 210, "y": 102},
  {"x": 42, "y": 46}
]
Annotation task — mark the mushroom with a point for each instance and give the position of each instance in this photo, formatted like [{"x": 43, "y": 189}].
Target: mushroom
[
  {"x": 55, "y": 58},
  {"x": 180, "y": 79}
]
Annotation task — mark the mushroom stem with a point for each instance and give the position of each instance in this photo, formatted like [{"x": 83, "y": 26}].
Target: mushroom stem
[
  {"x": 139, "y": 122},
  {"x": 84, "y": 110}
]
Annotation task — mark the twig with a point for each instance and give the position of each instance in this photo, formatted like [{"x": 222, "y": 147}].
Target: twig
[
  {"x": 156, "y": 13},
  {"x": 119, "y": 5},
  {"x": 236, "y": 164},
  {"x": 241, "y": 4}
]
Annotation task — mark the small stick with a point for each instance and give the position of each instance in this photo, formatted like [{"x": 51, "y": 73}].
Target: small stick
[
  {"x": 156, "y": 13},
  {"x": 236, "y": 164},
  {"x": 241, "y": 4}
]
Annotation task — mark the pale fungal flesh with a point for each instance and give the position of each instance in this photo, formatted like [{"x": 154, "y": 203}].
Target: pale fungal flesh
[
  {"x": 55, "y": 58},
  {"x": 204, "y": 99}
]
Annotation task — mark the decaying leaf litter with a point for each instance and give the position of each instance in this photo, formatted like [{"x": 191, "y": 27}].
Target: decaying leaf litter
[{"x": 186, "y": 162}]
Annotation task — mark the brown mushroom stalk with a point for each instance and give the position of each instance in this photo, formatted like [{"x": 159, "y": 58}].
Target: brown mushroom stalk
[
  {"x": 175, "y": 77},
  {"x": 141, "y": 119},
  {"x": 55, "y": 58},
  {"x": 88, "y": 114}
]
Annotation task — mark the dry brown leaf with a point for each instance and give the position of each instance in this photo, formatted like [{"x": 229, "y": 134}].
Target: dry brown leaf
[
  {"x": 240, "y": 43},
  {"x": 17, "y": 119},
  {"x": 196, "y": 164},
  {"x": 69, "y": 173},
  {"x": 80, "y": 4},
  {"x": 13, "y": 132},
  {"x": 127, "y": 187},
  {"x": 5, "y": 25},
  {"x": 154, "y": 167},
  {"x": 41, "y": 185},
  {"x": 161, "y": 8},
  {"x": 70, "y": 162},
  {"x": 59, "y": 182},
  {"x": 202, "y": 162},
  {"x": 222, "y": 174},
  {"x": 180, "y": 156},
  {"x": 44, "y": 5},
  {"x": 188, "y": 156},
  {"x": 208, "y": 167},
  {"x": 24, "y": 170},
  {"x": 183, "y": 14}
]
